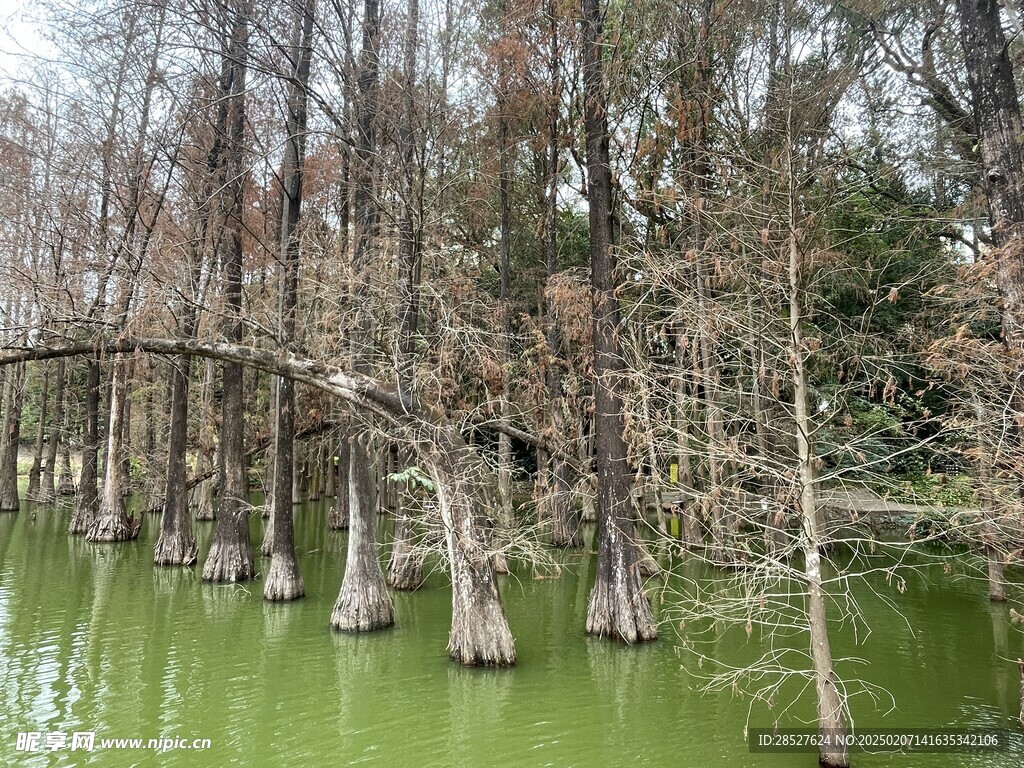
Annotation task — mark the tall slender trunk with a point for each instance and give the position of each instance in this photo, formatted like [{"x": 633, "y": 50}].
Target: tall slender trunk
[
  {"x": 405, "y": 567},
  {"x": 618, "y": 606},
  {"x": 88, "y": 493},
  {"x": 565, "y": 518},
  {"x": 36, "y": 471},
  {"x": 283, "y": 580},
  {"x": 47, "y": 486},
  {"x": 111, "y": 522},
  {"x": 364, "y": 603},
  {"x": 14, "y": 398},
  {"x": 830, "y": 701},
  {"x": 177, "y": 543},
  {"x": 230, "y": 556},
  {"x": 203, "y": 495}
]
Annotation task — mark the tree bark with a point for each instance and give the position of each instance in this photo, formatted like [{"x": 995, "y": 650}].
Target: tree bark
[
  {"x": 88, "y": 494},
  {"x": 47, "y": 482},
  {"x": 177, "y": 543},
  {"x": 618, "y": 606},
  {"x": 230, "y": 555},
  {"x": 111, "y": 522},
  {"x": 14, "y": 398},
  {"x": 364, "y": 603},
  {"x": 36, "y": 471},
  {"x": 283, "y": 580}
]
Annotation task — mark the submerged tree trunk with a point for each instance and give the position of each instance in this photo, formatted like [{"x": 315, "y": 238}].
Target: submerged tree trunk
[
  {"x": 480, "y": 635},
  {"x": 14, "y": 398},
  {"x": 230, "y": 555},
  {"x": 364, "y": 603},
  {"x": 111, "y": 522},
  {"x": 831, "y": 706},
  {"x": 283, "y": 580},
  {"x": 177, "y": 543},
  {"x": 88, "y": 495},
  {"x": 618, "y": 606}
]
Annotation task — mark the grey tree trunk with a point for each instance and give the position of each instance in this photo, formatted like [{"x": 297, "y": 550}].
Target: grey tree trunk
[
  {"x": 47, "y": 483},
  {"x": 111, "y": 522},
  {"x": 283, "y": 580},
  {"x": 88, "y": 494},
  {"x": 618, "y": 607},
  {"x": 14, "y": 398},
  {"x": 177, "y": 543},
  {"x": 364, "y": 603},
  {"x": 230, "y": 556},
  {"x": 36, "y": 471}
]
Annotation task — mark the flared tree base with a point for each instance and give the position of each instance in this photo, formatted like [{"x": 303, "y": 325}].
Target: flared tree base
[
  {"x": 228, "y": 563},
  {"x": 177, "y": 548},
  {"x": 619, "y": 609},
  {"x": 405, "y": 569},
  {"x": 364, "y": 604},
  {"x": 480, "y": 636},
  {"x": 113, "y": 527},
  {"x": 283, "y": 581}
]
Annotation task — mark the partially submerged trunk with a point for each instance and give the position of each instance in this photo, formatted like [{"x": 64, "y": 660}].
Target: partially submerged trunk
[
  {"x": 618, "y": 606},
  {"x": 88, "y": 495},
  {"x": 230, "y": 555},
  {"x": 364, "y": 603},
  {"x": 177, "y": 543},
  {"x": 480, "y": 635},
  {"x": 14, "y": 398},
  {"x": 111, "y": 522}
]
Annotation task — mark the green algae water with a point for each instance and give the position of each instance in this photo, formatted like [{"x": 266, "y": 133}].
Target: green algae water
[{"x": 94, "y": 638}]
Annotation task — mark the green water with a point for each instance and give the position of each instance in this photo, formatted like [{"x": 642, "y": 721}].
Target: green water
[{"x": 94, "y": 638}]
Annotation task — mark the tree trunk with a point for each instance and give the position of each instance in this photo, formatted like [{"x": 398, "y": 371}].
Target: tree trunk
[
  {"x": 618, "y": 606},
  {"x": 47, "y": 483},
  {"x": 36, "y": 471},
  {"x": 88, "y": 494},
  {"x": 338, "y": 517},
  {"x": 14, "y": 398},
  {"x": 205, "y": 491},
  {"x": 831, "y": 707},
  {"x": 364, "y": 603},
  {"x": 177, "y": 544},
  {"x": 230, "y": 555},
  {"x": 283, "y": 580},
  {"x": 111, "y": 522}
]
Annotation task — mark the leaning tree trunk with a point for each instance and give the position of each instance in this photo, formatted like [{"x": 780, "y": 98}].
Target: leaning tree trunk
[
  {"x": 88, "y": 495},
  {"x": 47, "y": 482},
  {"x": 831, "y": 708},
  {"x": 618, "y": 606},
  {"x": 177, "y": 543},
  {"x": 9, "y": 441},
  {"x": 283, "y": 580},
  {"x": 36, "y": 471},
  {"x": 230, "y": 555},
  {"x": 364, "y": 603},
  {"x": 111, "y": 522}
]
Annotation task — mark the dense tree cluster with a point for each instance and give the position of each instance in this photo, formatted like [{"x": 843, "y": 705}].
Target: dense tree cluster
[{"x": 743, "y": 260}]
